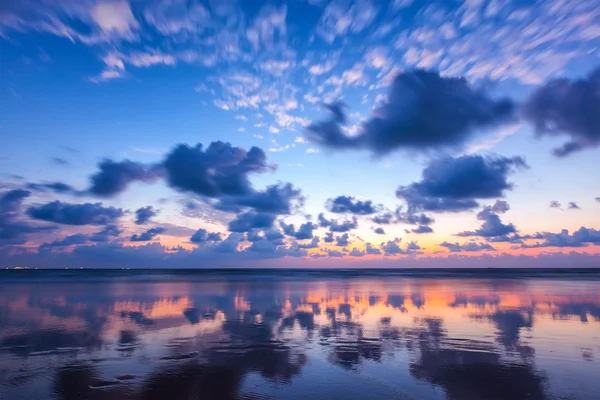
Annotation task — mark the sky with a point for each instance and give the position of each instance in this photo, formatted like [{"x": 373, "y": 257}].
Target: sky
[{"x": 306, "y": 133}]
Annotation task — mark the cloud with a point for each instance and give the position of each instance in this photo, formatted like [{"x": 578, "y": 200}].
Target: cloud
[
  {"x": 349, "y": 204},
  {"x": 573, "y": 206},
  {"x": 71, "y": 240},
  {"x": 328, "y": 237},
  {"x": 422, "y": 229},
  {"x": 106, "y": 234},
  {"x": 251, "y": 220},
  {"x": 177, "y": 17},
  {"x": 342, "y": 240},
  {"x": 356, "y": 253},
  {"x": 305, "y": 231},
  {"x": 564, "y": 107},
  {"x": 468, "y": 247},
  {"x": 337, "y": 226},
  {"x": 143, "y": 215},
  {"x": 60, "y": 161},
  {"x": 492, "y": 225},
  {"x": 334, "y": 253},
  {"x": 220, "y": 170},
  {"x": 115, "y": 17},
  {"x": 56, "y": 187},
  {"x": 268, "y": 26},
  {"x": 12, "y": 230},
  {"x": 391, "y": 247},
  {"x": 453, "y": 184},
  {"x": 314, "y": 244},
  {"x": 554, "y": 204},
  {"x": 369, "y": 249},
  {"x": 150, "y": 234},
  {"x": 75, "y": 214},
  {"x": 277, "y": 199},
  {"x": 114, "y": 177},
  {"x": 203, "y": 236},
  {"x": 580, "y": 238},
  {"x": 379, "y": 231},
  {"x": 342, "y": 17},
  {"x": 425, "y": 112}
]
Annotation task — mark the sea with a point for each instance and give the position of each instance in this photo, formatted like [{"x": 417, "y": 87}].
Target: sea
[{"x": 456, "y": 334}]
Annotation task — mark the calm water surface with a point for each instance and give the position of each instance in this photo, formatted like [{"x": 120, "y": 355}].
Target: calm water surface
[{"x": 269, "y": 336}]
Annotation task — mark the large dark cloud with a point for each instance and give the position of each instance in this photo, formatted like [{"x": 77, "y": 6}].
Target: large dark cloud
[
  {"x": 106, "y": 234},
  {"x": 202, "y": 236},
  {"x": 453, "y": 184},
  {"x": 337, "y": 226},
  {"x": 12, "y": 230},
  {"x": 349, "y": 204},
  {"x": 274, "y": 199},
  {"x": 305, "y": 231},
  {"x": 569, "y": 108},
  {"x": 76, "y": 214},
  {"x": 492, "y": 225},
  {"x": 78, "y": 238},
  {"x": 148, "y": 235},
  {"x": 580, "y": 238},
  {"x": 219, "y": 170},
  {"x": 143, "y": 215},
  {"x": 424, "y": 112},
  {"x": 114, "y": 177},
  {"x": 422, "y": 229},
  {"x": 468, "y": 247},
  {"x": 251, "y": 220}
]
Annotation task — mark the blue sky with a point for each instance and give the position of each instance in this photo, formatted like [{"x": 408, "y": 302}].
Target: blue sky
[{"x": 86, "y": 81}]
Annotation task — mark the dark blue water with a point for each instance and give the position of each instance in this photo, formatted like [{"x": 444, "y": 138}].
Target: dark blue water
[{"x": 268, "y": 334}]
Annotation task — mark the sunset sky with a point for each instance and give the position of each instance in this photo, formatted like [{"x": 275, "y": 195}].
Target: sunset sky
[{"x": 306, "y": 133}]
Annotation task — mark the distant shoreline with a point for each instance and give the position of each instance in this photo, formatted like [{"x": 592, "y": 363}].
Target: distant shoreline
[{"x": 200, "y": 274}]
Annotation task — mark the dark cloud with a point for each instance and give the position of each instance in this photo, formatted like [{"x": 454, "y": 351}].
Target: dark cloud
[
  {"x": 56, "y": 187},
  {"x": 143, "y": 215},
  {"x": 554, "y": 204},
  {"x": 564, "y": 107},
  {"x": 13, "y": 231},
  {"x": 371, "y": 250},
  {"x": 597, "y": 199},
  {"x": 277, "y": 199},
  {"x": 328, "y": 237},
  {"x": 453, "y": 184},
  {"x": 314, "y": 244},
  {"x": 580, "y": 238},
  {"x": 342, "y": 240},
  {"x": 424, "y": 112},
  {"x": 356, "y": 253},
  {"x": 573, "y": 206},
  {"x": 492, "y": 225},
  {"x": 251, "y": 220},
  {"x": 275, "y": 236},
  {"x": 384, "y": 219},
  {"x": 391, "y": 247},
  {"x": 219, "y": 170},
  {"x": 75, "y": 214},
  {"x": 60, "y": 161},
  {"x": 468, "y": 247},
  {"x": 71, "y": 240},
  {"x": 349, "y": 204},
  {"x": 304, "y": 232},
  {"x": 337, "y": 226},
  {"x": 148, "y": 235},
  {"x": 379, "y": 231},
  {"x": 334, "y": 253},
  {"x": 202, "y": 236},
  {"x": 106, "y": 234},
  {"x": 114, "y": 177},
  {"x": 422, "y": 229}
]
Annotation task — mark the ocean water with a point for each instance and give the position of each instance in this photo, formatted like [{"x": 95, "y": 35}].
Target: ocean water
[{"x": 460, "y": 335}]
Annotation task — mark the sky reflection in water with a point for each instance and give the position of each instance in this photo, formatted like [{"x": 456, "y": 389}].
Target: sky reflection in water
[{"x": 301, "y": 338}]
